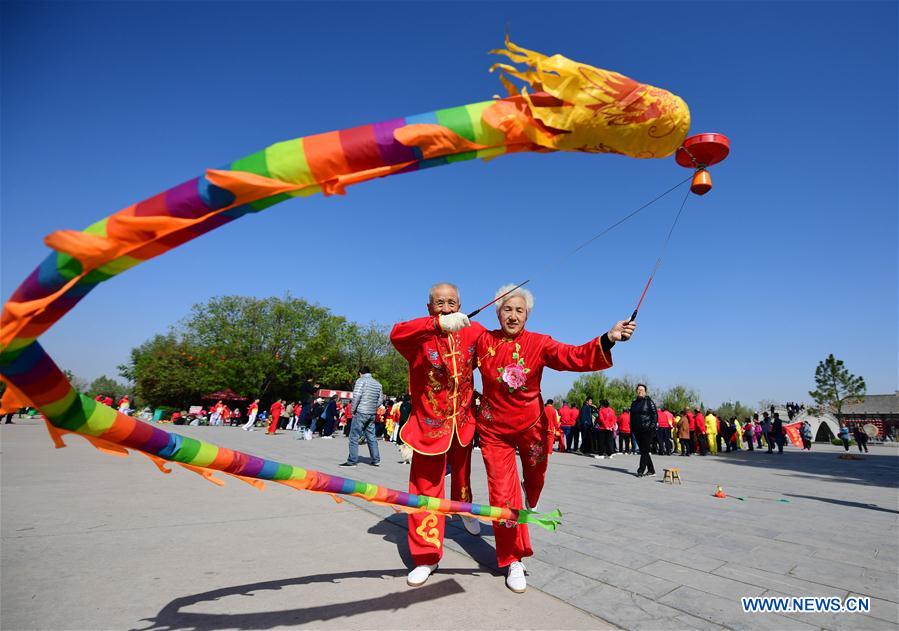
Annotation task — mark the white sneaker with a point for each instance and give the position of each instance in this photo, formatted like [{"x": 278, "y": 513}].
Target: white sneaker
[
  {"x": 419, "y": 575},
  {"x": 327, "y": 437},
  {"x": 515, "y": 579},
  {"x": 472, "y": 525}
]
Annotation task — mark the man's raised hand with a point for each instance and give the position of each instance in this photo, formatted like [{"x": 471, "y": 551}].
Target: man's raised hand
[{"x": 453, "y": 322}]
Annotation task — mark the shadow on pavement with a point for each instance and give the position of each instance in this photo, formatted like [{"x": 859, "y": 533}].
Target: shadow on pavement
[
  {"x": 173, "y": 617},
  {"x": 393, "y": 530},
  {"x": 830, "y": 500},
  {"x": 875, "y": 470},
  {"x": 631, "y": 472},
  {"x": 475, "y": 547}
]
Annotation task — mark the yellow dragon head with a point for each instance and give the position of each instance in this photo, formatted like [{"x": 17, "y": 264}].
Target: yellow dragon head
[{"x": 594, "y": 110}]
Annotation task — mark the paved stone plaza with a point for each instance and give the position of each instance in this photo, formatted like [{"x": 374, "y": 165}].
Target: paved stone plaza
[{"x": 92, "y": 541}]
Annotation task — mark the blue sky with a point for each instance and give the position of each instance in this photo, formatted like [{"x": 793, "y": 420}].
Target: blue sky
[{"x": 792, "y": 256}]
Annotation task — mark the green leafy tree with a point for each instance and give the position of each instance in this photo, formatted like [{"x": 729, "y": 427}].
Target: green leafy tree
[
  {"x": 620, "y": 391},
  {"x": 591, "y": 385},
  {"x": 266, "y": 348},
  {"x": 730, "y": 409},
  {"x": 835, "y": 384},
  {"x": 108, "y": 386},
  {"x": 167, "y": 371},
  {"x": 369, "y": 345},
  {"x": 261, "y": 348},
  {"x": 679, "y": 397}
]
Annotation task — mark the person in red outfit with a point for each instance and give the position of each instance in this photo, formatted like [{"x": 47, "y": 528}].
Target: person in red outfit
[
  {"x": 606, "y": 426},
  {"x": 275, "y": 412},
  {"x": 569, "y": 414},
  {"x": 511, "y": 360},
  {"x": 555, "y": 426},
  {"x": 625, "y": 442},
  {"x": 694, "y": 445},
  {"x": 440, "y": 349},
  {"x": 702, "y": 441}
]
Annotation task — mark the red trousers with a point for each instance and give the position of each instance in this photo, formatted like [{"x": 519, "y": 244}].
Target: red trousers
[
  {"x": 426, "y": 477},
  {"x": 272, "y": 425},
  {"x": 513, "y": 542}
]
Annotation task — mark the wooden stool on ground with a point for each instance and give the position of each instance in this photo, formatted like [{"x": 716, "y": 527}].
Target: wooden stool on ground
[{"x": 672, "y": 474}]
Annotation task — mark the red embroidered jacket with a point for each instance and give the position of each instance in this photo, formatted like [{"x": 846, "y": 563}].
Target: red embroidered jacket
[
  {"x": 512, "y": 368},
  {"x": 440, "y": 382}
]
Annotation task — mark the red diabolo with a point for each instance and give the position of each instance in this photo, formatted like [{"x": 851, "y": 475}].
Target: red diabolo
[{"x": 700, "y": 152}]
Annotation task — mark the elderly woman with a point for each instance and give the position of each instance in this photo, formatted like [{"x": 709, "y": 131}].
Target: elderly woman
[{"x": 511, "y": 361}]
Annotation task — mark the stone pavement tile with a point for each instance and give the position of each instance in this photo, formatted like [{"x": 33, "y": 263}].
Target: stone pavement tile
[
  {"x": 626, "y": 553},
  {"x": 891, "y": 553},
  {"x": 728, "y": 611},
  {"x": 695, "y": 559},
  {"x": 718, "y": 585},
  {"x": 869, "y": 582},
  {"x": 883, "y": 609},
  {"x": 567, "y": 584},
  {"x": 611, "y": 574},
  {"x": 859, "y": 548},
  {"x": 764, "y": 558},
  {"x": 756, "y": 557},
  {"x": 836, "y": 621},
  {"x": 868, "y": 561},
  {"x": 637, "y": 540},
  {"x": 784, "y": 583},
  {"x": 781, "y": 547},
  {"x": 632, "y": 611},
  {"x": 686, "y": 621}
]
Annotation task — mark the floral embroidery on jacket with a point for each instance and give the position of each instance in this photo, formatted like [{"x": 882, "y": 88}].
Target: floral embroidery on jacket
[{"x": 514, "y": 375}]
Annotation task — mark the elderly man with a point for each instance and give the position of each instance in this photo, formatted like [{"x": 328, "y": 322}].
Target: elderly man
[{"x": 440, "y": 349}]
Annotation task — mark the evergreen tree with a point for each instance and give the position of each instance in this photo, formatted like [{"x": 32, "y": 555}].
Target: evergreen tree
[{"x": 835, "y": 384}]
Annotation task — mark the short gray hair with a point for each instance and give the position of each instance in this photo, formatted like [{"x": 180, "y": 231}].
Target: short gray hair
[
  {"x": 524, "y": 293},
  {"x": 437, "y": 286}
]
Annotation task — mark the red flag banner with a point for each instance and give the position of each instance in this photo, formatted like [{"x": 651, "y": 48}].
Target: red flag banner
[{"x": 792, "y": 432}]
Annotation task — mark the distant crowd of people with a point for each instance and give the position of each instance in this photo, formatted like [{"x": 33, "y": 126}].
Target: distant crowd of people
[
  {"x": 589, "y": 430},
  {"x": 308, "y": 416},
  {"x": 647, "y": 429},
  {"x": 793, "y": 409}
]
